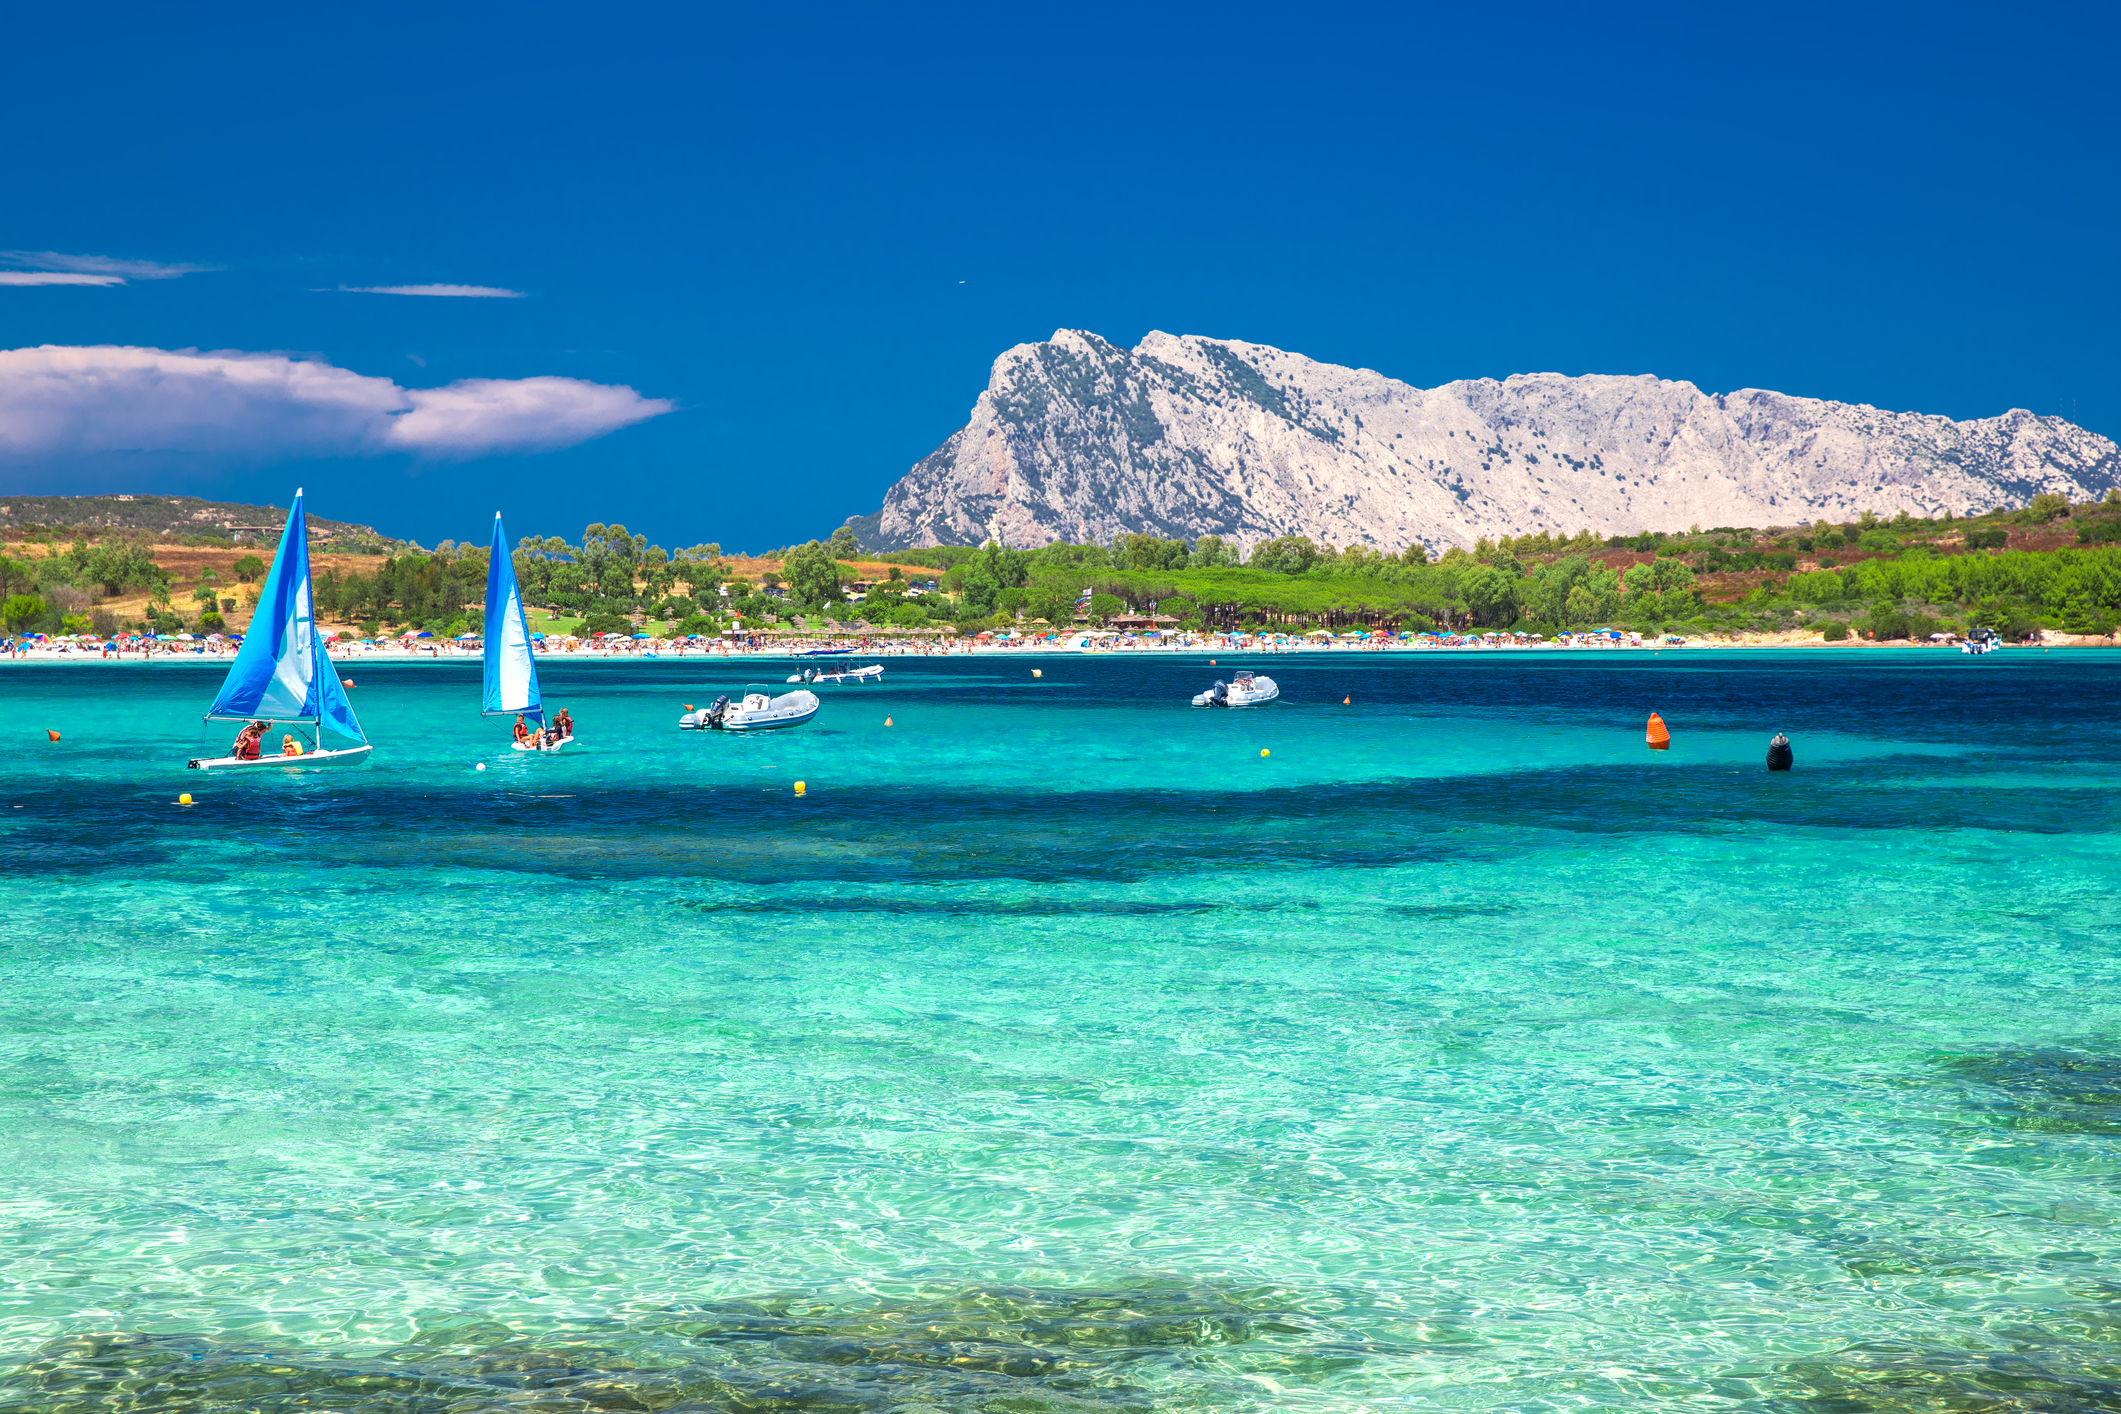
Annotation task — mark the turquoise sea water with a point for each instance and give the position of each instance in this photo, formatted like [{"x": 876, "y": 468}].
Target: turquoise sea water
[{"x": 1058, "y": 1052}]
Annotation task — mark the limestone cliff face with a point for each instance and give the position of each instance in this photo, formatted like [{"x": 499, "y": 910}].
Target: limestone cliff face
[{"x": 1076, "y": 439}]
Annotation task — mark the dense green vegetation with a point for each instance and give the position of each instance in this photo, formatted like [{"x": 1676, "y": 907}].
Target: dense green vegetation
[
  {"x": 2046, "y": 565},
  {"x": 57, "y": 591},
  {"x": 1882, "y": 579}
]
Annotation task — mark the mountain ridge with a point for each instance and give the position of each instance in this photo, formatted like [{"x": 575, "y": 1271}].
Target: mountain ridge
[{"x": 1077, "y": 439}]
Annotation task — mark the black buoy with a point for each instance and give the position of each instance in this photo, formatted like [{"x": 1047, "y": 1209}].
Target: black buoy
[{"x": 1779, "y": 755}]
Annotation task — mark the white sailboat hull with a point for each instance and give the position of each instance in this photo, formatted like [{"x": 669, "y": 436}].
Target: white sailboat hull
[
  {"x": 307, "y": 761},
  {"x": 548, "y": 747}
]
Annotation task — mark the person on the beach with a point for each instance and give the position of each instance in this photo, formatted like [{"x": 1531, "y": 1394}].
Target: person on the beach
[{"x": 289, "y": 746}]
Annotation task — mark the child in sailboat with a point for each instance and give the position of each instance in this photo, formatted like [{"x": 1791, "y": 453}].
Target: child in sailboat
[
  {"x": 248, "y": 741},
  {"x": 522, "y": 731},
  {"x": 289, "y": 746},
  {"x": 562, "y": 725}
]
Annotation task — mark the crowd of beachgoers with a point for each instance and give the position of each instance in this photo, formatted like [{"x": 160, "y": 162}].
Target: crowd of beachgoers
[{"x": 421, "y": 646}]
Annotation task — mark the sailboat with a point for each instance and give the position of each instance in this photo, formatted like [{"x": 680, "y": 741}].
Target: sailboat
[
  {"x": 282, "y": 676},
  {"x": 511, "y": 671}
]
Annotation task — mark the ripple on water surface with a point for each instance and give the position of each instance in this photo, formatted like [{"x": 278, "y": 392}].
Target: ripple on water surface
[{"x": 1055, "y": 1051}]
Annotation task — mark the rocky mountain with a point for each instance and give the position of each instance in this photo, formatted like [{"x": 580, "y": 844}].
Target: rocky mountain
[{"x": 1077, "y": 439}]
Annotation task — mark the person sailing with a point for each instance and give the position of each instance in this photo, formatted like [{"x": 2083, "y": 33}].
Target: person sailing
[
  {"x": 248, "y": 741},
  {"x": 562, "y": 725},
  {"x": 522, "y": 731}
]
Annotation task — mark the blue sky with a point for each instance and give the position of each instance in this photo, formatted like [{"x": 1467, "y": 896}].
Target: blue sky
[{"x": 801, "y": 235}]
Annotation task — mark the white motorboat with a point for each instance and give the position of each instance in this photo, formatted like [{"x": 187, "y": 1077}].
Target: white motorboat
[
  {"x": 873, "y": 673},
  {"x": 757, "y": 710},
  {"x": 1244, "y": 690},
  {"x": 1981, "y": 640}
]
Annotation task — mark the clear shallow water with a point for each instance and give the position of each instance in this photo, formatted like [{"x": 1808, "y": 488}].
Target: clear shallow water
[{"x": 1058, "y": 1052}]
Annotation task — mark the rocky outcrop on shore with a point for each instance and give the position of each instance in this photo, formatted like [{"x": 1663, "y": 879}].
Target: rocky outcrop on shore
[{"x": 1077, "y": 439}]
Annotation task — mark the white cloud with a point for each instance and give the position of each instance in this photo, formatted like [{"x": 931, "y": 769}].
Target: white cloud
[
  {"x": 473, "y": 414},
  {"x": 55, "y": 277},
  {"x": 443, "y": 291},
  {"x": 59, "y": 400},
  {"x": 50, "y": 267}
]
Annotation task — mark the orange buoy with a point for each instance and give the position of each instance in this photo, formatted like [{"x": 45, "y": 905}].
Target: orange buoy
[
  {"x": 688, "y": 706},
  {"x": 1343, "y": 701},
  {"x": 887, "y": 721},
  {"x": 1657, "y": 736},
  {"x": 50, "y": 733}
]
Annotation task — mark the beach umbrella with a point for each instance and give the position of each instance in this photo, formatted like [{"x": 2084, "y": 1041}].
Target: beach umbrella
[
  {"x": 467, "y": 638},
  {"x": 640, "y": 635},
  {"x": 185, "y": 638},
  {"x": 537, "y": 637}
]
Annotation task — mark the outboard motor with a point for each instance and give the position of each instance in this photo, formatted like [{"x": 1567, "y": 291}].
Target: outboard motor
[
  {"x": 714, "y": 713},
  {"x": 1222, "y": 693},
  {"x": 1779, "y": 755}
]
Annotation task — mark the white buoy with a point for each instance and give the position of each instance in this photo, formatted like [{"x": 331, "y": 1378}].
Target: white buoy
[{"x": 480, "y": 767}]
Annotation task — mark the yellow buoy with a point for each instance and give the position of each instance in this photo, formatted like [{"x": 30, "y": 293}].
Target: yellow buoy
[
  {"x": 1263, "y": 751},
  {"x": 1037, "y": 673},
  {"x": 800, "y": 787},
  {"x": 184, "y": 799}
]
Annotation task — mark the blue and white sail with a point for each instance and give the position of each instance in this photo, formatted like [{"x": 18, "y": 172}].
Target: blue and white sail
[
  {"x": 282, "y": 673},
  {"x": 511, "y": 673}
]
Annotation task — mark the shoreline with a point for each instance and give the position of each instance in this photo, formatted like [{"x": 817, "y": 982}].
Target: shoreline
[{"x": 796, "y": 656}]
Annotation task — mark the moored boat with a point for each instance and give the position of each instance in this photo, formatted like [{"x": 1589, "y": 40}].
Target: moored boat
[
  {"x": 757, "y": 710},
  {"x": 1244, "y": 690},
  {"x": 873, "y": 673}
]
